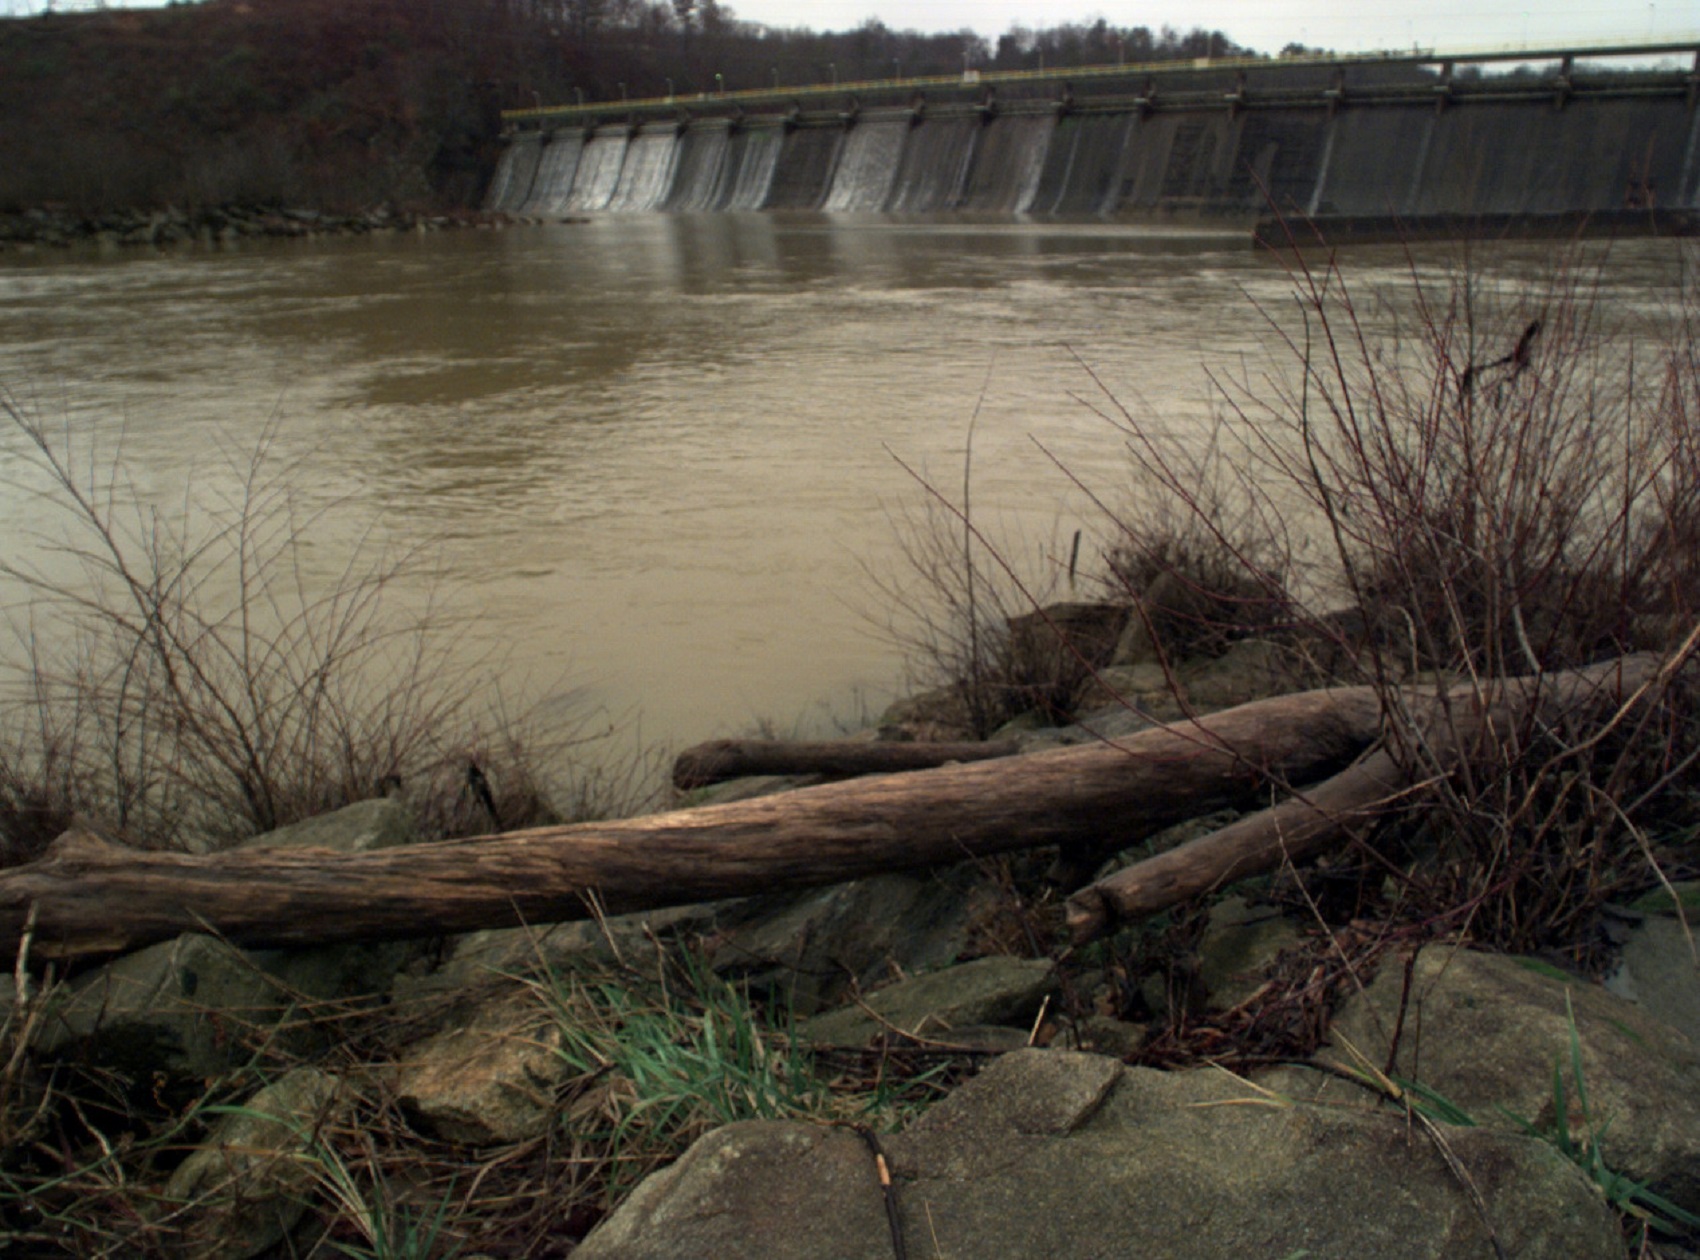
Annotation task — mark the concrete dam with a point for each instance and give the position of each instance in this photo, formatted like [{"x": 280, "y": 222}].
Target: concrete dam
[{"x": 1555, "y": 137}]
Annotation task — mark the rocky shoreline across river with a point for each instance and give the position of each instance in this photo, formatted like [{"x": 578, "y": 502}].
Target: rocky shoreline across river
[{"x": 61, "y": 229}]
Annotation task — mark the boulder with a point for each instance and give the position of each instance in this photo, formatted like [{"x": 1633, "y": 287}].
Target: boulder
[
  {"x": 245, "y": 1187},
  {"x": 335, "y": 972},
  {"x": 1187, "y": 617},
  {"x": 1067, "y": 639},
  {"x": 481, "y": 961},
  {"x": 1105, "y": 1034},
  {"x": 357, "y": 828},
  {"x": 1656, "y": 971},
  {"x": 1240, "y": 942},
  {"x": 1144, "y": 689},
  {"x": 1246, "y": 670},
  {"x": 194, "y": 1006},
  {"x": 489, "y": 1081},
  {"x": 998, "y": 990},
  {"x": 748, "y": 787},
  {"x": 1064, "y": 1155},
  {"x": 1251, "y": 669},
  {"x": 1487, "y": 1031},
  {"x": 770, "y": 1188},
  {"x": 939, "y": 715},
  {"x": 817, "y": 946},
  {"x": 1125, "y": 714}
]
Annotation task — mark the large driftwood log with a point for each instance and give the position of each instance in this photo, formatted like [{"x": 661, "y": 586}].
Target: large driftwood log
[
  {"x": 94, "y": 898},
  {"x": 722, "y": 759},
  {"x": 87, "y": 897},
  {"x": 1439, "y": 731}
]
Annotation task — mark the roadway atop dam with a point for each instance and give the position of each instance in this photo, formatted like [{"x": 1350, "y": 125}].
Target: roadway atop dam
[{"x": 1535, "y": 139}]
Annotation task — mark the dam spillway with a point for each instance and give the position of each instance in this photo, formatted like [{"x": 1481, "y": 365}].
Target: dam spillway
[{"x": 1422, "y": 136}]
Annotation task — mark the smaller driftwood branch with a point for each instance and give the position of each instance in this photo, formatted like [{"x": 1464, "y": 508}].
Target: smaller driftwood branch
[
  {"x": 1446, "y": 727},
  {"x": 722, "y": 759},
  {"x": 1324, "y": 816}
]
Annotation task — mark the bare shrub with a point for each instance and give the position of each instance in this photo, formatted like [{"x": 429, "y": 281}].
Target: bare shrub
[
  {"x": 1460, "y": 483},
  {"x": 1199, "y": 562},
  {"x": 1498, "y": 486},
  {"x": 952, "y": 610},
  {"x": 1506, "y": 486},
  {"x": 194, "y": 678}
]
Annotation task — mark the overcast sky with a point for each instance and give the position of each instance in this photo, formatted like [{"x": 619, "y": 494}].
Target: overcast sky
[{"x": 1267, "y": 25}]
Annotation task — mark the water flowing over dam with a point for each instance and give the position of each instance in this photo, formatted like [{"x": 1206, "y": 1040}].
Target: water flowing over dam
[{"x": 1553, "y": 135}]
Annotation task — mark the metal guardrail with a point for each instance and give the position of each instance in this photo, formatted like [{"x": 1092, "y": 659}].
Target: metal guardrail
[{"x": 796, "y": 97}]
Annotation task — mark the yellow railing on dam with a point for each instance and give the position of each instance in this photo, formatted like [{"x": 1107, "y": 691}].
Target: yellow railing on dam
[{"x": 721, "y": 101}]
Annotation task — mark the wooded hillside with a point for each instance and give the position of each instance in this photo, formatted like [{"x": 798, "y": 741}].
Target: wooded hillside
[{"x": 339, "y": 104}]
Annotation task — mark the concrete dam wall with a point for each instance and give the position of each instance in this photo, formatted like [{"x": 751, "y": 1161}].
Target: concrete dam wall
[{"x": 1416, "y": 138}]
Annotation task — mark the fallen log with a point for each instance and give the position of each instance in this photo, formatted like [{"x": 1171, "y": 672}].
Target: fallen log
[
  {"x": 722, "y": 759},
  {"x": 1445, "y": 728},
  {"x": 88, "y": 897},
  {"x": 1308, "y": 824}
]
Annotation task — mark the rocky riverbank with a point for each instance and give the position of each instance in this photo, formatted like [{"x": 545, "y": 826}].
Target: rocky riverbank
[
  {"x": 503, "y": 1092},
  {"x": 61, "y": 229}
]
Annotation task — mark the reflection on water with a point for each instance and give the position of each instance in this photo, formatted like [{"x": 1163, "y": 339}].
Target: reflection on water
[{"x": 657, "y": 452}]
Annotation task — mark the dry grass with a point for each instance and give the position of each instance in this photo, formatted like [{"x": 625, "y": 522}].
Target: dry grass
[{"x": 652, "y": 1060}]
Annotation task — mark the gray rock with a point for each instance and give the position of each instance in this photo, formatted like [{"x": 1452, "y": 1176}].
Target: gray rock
[
  {"x": 358, "y": 828},
  {"x": 1486, "y": 1032},
  {"x": 1657, "y": 972},
  {"x": 492, "y": 1080},
  {"x": 1025, "y": 727},
  {"x": 199, "y": 1006},
  {"x": 246, "y": 1186},
  {"x": 1112, "y": 721},
  {"x": 748, "y": 788},
  {"x": 937, "y": 714},
  {"x": 996, "y": 990},
  {"x": 484, "y": 961},
  {"x": 1192, "y": 613},
  {"x": 815, "y": 947},
  {"x": 1104, "y": 1034},
  {"x": 769, "y": 1188},
  {"x": 1239, "y": 944},
  {"x": 1070, "y": 633},
  {"x": 1250, "y": 669},
  {"x": 1144, "y": 690},
  {"x": 194, "y": 1005},
  {"x": 1029, "y": 1094},
  {"x": 987, "y": 1038},
  {"x": 1133, "y": 680},
  {"x": 1064, "y": 1155},
  {"x": 344, "y": 973}
]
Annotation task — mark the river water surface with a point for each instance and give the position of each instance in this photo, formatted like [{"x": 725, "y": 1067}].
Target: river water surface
[{"x": 656, "y": 457}]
